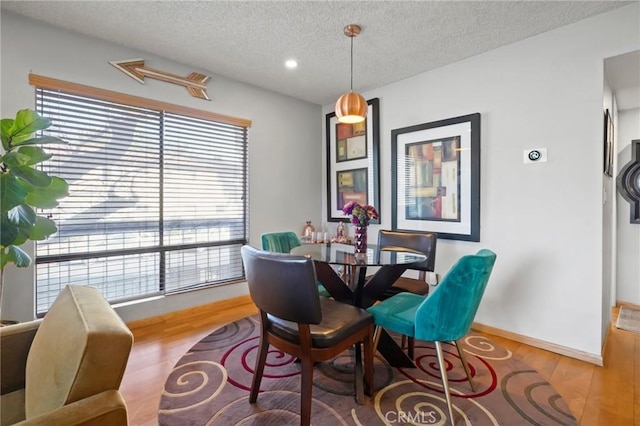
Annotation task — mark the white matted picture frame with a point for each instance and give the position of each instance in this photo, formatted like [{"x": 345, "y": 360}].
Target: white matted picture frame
[
  {"x": 436, "y": 178},
  {"x": 353, "y": 163}
]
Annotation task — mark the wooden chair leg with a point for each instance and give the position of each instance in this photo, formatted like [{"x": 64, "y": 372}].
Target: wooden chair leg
[
  {"x": 465, "y": 364},
  {"x": 358, "y": 374},
  {"x": 445, "y": 380},
  {"x": 368, "y": 366},
  {"x": 259, "y": 369},
  {"x": 306, "y": 388},
  {"x": 411, "y": 347}
]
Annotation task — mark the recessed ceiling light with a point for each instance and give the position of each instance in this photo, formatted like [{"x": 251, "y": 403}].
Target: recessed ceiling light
[{"x": 291, "y": 63}]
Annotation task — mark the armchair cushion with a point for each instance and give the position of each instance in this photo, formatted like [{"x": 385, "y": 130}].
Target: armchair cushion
[{"x": 80, "y": 349}]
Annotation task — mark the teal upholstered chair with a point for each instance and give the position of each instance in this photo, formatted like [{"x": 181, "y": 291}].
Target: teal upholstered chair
[
  {"x": 283, "y": 242},
  {"x": 443, "y": 316}
]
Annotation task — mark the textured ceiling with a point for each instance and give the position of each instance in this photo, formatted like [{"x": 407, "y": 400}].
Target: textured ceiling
[{"x": 250, "y": 40}]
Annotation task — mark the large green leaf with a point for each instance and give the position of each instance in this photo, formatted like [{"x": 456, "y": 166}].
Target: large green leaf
[
  {"x": 23, "y": 219},
  {"x": 8, "y": 231},
  {"x": 11, "y": 191},
  {"x": 43, "y": 229},
  {"x": 3, "y": 258},
  {"x": 5, "y": 127},
  {"x": 18, "y": 256},
  {"x": 22, "y": 216},
  {"x": 46, "y": 198},
  {"x": 36, "y": 154},
  {"x": 14, "y": 159},
  {"x": 26, "y": 122},
  {"x": 32, "y": 176},
  {"x": 43, "y": 140}
]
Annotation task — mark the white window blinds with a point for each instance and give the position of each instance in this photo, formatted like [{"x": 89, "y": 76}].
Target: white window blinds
[{"x": 157, "y": 200}]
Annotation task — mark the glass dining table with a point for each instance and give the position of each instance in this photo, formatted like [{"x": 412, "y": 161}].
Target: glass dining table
[{"x": 355, "y": 287}]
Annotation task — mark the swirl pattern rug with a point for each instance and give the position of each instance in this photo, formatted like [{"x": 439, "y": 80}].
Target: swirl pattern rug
[{"x": 210, "y": 386}]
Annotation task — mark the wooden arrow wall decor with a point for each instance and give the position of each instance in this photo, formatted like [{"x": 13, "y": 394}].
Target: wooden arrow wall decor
[{"x": 195, "y": 83}]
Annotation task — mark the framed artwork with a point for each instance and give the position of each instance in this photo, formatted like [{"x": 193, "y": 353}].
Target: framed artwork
[
  {"x": 352, "y": 163},
  {"x": 608, "y": 144},
  {"x": 436, "y": 178},
  {"x": 628, "y": 182}
]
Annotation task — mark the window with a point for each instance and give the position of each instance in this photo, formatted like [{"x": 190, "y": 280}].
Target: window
[{"x": 158, "y": 198}]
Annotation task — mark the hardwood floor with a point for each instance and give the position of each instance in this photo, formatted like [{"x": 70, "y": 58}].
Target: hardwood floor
[{"x": 608, "y": 395}]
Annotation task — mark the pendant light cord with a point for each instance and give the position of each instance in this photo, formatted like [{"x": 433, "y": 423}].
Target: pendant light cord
[{"x": 351, "y": 63}]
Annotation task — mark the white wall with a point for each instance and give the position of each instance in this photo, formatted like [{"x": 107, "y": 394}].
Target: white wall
[
  {"x": 544, "y": 221},
  {"x": 628, "y": 241},
  {"x": 608, "y": 216},
  {"x": 284, "y": 139}
]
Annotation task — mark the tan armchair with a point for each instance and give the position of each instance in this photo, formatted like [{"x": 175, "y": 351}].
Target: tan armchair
[{"x": 66, "y": 368}]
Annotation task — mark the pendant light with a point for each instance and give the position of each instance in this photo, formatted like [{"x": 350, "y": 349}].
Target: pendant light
[{"x": 351, "y": 107}]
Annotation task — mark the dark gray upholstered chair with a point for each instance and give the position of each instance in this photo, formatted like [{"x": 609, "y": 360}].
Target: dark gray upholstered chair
[
  {"x": 296, "y": 320},
  {"x": 283, "y": 242},
  {"x": 423, "y": 242}
]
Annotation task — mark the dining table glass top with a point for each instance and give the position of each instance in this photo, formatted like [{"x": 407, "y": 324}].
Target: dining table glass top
[{"x": 344, "y": 254}]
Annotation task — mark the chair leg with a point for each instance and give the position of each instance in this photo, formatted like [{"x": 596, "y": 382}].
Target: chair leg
[
  {"x": 376, "y": 338},
  {"x": 445, "y": 380},
  {"x": 306, "y": 387},
  {"x": 411, "y": 347},
  {"x": 465, "y": 364},
  {"x": 368, "y": 366},
  {"x": 358, "y": 374},
  {"x": 257, "y": 374}
]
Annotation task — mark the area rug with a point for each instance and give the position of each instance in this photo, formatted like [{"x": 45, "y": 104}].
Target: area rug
[
  {"x": 210, "y": 386},
  {"x": 629, "y": 319}
]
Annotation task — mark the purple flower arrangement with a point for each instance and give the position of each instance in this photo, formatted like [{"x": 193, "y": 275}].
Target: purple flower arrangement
[{"x": 360, "y": 215}]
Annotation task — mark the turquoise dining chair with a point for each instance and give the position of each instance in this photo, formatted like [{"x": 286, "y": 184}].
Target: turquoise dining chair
[
  {"x": 445, "y": 315},
  {"x": 283, "y": 242}
]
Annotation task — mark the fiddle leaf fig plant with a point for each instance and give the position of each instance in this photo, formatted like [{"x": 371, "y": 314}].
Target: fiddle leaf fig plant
[{"x": 24, "y": 188}]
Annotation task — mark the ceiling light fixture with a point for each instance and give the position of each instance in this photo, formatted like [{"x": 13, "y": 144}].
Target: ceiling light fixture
[
  {"x": 291, "y": 63},
  {"x": 351, "y": 107}
]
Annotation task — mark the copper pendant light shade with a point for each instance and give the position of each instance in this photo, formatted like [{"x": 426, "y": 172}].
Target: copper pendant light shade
[{"x": 351, "y": 107}]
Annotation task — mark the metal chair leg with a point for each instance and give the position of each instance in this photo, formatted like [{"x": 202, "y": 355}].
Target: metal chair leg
[
  {"x": 376, "y": 338},
  {"x": 465, "y": 364},
  {"x": 445, "y": 380}
]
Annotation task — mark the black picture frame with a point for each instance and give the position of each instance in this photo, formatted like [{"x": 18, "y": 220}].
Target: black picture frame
[
  {"x": 628, "y": 182},
  {"x": 352, "y": 152},
  {"x": 608, "y": 144},
  {"x": 436, "y": 178}
]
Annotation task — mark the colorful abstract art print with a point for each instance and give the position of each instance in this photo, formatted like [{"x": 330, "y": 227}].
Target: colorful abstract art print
[
  {"x": 433, "y": 180},
  {"x": 436, "y": 178}
]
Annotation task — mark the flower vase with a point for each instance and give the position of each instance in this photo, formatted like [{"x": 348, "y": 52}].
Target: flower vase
[{"x": 360, "y": 239}]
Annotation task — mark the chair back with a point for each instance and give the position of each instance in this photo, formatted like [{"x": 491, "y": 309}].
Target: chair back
[
  {"x": 447, "y": 313},
  {"x": 80, "y": 349},
  {"x": 423, "y": 242},
  {"x": 279, "y": 242},
  {"x": 282, "y": 285}
]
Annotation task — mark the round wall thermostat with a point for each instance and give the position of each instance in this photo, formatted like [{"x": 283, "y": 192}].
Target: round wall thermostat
[{"x": 534, "y": 155}]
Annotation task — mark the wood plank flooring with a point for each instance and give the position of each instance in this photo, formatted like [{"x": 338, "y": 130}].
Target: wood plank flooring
[{"x": 600, "y": 396}]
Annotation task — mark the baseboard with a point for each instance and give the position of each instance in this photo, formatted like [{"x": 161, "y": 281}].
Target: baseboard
[
  {"x": 170, "y": 316},
  {"x": 547, "y": 346},
  {"x": 627, "y": 305}
]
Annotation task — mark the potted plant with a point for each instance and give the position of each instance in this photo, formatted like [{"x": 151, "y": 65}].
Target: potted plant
[{"x": 24, "y": 188}]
